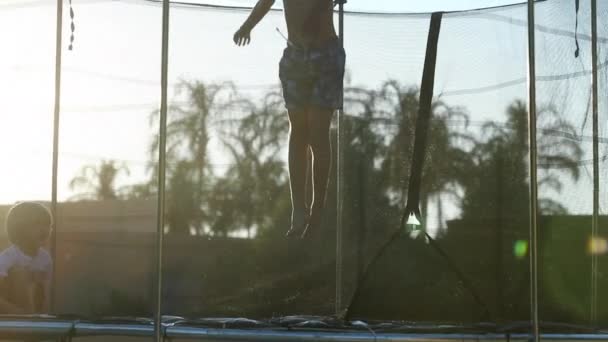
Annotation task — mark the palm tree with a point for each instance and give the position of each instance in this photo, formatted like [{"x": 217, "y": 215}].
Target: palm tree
[
  {"x": 501, "y": 163},
  {"x": 257, "y": 175},
  {"x": 187, "y": 142},
  {"x": 98, "y": 182}
]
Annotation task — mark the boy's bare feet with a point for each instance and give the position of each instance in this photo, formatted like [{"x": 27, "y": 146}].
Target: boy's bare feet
[
  {"x": 299, "y": 221},
  {"x": 314, "y": 224}
]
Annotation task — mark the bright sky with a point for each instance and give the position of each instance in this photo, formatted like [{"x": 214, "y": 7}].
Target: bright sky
[{"x": 111, "y": 78}]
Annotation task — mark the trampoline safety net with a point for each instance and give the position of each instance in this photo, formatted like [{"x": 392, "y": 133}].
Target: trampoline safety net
[{"x": 228, "y": 206}]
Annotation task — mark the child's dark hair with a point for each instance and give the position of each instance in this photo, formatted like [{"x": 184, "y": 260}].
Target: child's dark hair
[{"x": 25, "y": 214}]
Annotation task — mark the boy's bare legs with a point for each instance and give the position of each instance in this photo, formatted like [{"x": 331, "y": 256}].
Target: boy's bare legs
[
  {"x": 309, "y": 183},
  {"x": 298, "y": 160},
  {"x": 319, "y": 121}
]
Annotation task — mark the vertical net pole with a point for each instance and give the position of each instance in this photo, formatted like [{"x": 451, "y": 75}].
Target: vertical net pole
[
  {"x": 55, "y": 164},
  {"x": 596, "y": 166},
  {"x": 533, "y": 173},
  {"x": 339, "y": 181},
  {"x": 160, "y": 214},
  {"x": 423, "y": 121}
]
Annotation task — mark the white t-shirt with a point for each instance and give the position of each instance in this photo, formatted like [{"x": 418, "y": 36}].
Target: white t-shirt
[{"x": 41, "y": 265}]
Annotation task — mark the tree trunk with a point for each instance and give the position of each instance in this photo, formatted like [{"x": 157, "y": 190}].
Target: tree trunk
[
  {"x": 440, "y": 227},
  {"x": 424, "y": 204}
]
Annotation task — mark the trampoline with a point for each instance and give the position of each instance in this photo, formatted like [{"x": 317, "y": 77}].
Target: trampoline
[{"x": 466, "y": 196}]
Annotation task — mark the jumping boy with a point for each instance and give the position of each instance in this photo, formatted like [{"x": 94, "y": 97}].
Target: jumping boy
[
  {"x": 25, "y": 267},
  {"x": 311, "y": 73}
]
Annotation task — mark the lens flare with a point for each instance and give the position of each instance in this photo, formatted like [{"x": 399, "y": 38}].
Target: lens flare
[
  {"x": 520, "y": 249},
  {"x": 597, "y": 245}
]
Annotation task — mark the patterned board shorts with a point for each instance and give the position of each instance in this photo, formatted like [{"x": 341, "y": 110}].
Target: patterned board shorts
[{"x": 313, "y": 77}]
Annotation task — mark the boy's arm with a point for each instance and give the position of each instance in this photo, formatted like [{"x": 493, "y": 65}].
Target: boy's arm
[
  {"x": 242, "y": 36},
  {"x": 7, "y": 307},
  {"x": 47, "y": 282},
  {"x": 46, "y": 303}
]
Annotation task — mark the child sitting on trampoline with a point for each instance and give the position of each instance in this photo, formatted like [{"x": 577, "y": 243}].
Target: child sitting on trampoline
[
  {"x": 25, "y": 267},
  {"x": 311, "y": 73}
]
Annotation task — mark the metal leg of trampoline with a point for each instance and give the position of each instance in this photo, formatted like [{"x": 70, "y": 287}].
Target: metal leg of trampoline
[
  {"x": 533, "y": 173},
  {"x": 596, "y": 166},
  {"x": 160, "y": 214},
  {"x": 55, "y": 163},
  {"x": 340, "y": 185}
]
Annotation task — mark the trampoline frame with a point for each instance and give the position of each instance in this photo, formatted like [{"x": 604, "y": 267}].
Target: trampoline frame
[{"x": 66, "y": 330}]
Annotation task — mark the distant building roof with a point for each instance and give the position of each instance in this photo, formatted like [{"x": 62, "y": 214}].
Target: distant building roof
[{"x": 137, "y": 216}]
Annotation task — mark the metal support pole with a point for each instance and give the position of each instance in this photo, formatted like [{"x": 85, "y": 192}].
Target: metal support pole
[
  {"x": 340, "y": 184},
  {"x": 533, "y": 173},
  {"x": 596, "y": 166},
  {"x": 54, "y": 173},
  {"x": 160, "y": 214}
]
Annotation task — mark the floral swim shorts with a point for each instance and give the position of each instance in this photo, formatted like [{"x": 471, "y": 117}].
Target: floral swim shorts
[{"x": 313, "y": 76}]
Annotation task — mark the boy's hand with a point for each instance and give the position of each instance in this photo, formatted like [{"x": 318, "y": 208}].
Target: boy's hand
[
  {"x": 21, "y": 275},
  {"x": 242, "y": 37},
  {"x": 23, "y": 287}
]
